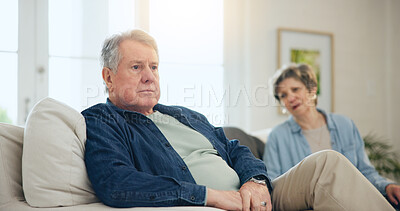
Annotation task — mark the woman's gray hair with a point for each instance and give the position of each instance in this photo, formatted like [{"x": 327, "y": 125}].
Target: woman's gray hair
[{"x": 110, "y": 55}]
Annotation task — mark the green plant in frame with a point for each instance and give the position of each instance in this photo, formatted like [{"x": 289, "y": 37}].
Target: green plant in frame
[
  {"x": 381, "y": 156},
  {"x": 310, "y": 57}
]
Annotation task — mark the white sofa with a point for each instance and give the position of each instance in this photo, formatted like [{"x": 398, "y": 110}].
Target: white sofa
[{"x": 42, "y": 167}]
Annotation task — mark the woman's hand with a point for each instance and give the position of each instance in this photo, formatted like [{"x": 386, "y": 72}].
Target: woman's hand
[{"x": 393, "y": 193}]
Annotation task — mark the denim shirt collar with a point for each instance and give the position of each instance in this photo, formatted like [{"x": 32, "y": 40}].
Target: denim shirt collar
[
  {"x": 295, "y": 128},
  {"x": 133, "y": 115}
]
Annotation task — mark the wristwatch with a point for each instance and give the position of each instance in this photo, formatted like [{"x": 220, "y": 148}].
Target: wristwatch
[{"x": 259, "y": 180}]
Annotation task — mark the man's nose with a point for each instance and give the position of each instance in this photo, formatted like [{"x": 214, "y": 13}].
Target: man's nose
[{"x": 148, "y": 75}]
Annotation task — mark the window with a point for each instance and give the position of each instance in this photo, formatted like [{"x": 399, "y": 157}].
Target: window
[
  {"x": 9, "y": 61},
  {"x": 190, "y": 42},
  {"x": 191, "y": 54},
  {"x": 77, "y": 29}
]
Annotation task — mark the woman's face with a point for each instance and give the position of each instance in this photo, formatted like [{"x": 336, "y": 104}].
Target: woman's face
[{"x": 297, "y": 99}]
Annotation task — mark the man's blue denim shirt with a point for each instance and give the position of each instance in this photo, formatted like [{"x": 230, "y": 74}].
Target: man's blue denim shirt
[{"x": 130, "y": 163}]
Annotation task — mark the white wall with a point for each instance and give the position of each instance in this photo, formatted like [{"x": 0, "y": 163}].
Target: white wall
[
  {"x": 393, "y": 76},
  {"x": 365, "y": 35}
]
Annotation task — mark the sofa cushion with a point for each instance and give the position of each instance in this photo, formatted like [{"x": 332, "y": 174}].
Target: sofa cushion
[
  {"x": 11, "y": 138},
  {"x": 53, "y": 169}
]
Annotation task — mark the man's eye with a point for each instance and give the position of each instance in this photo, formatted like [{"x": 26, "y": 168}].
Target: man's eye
[
  {"x": 282, "y": 96},
  {"x": 295, "y": 89},
  {"x": 135, "y": 67},
  {"x": 154, "y": 67}
]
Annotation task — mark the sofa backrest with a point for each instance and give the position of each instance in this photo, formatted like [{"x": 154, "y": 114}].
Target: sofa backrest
[
  {"x": 43, "y": 162},
  {"x": 255, "y": 145},
  {"x": 11, "y": 138}
]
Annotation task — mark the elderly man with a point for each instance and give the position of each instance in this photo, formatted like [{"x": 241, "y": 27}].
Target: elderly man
[{"x": 141, "y": 153}]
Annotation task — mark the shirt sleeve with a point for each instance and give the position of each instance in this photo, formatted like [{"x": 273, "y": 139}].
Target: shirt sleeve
[
  {"x": 364, "y": 165},
  {"x": 271, "y": 157},
  {"x": 118, "y": 182}
]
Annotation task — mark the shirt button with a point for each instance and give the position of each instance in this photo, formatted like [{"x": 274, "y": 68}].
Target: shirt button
[
  {"x": 183, "y": 167},
  {"x": 192, "y": 198}
]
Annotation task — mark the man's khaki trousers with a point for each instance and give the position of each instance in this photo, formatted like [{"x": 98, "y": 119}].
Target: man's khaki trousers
[{"x": 325, "y": 181}]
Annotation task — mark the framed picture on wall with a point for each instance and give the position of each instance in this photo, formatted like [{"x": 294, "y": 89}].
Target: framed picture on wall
[{"x": 314, "y": 48}]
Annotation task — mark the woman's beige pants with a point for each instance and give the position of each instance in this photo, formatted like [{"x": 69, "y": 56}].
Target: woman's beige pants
[{"x": 326, "y": 181}]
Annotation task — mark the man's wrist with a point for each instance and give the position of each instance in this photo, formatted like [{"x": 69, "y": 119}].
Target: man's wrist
[{"x": 259, "y": 179}]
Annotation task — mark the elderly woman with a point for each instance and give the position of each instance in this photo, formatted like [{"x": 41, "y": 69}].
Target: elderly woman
[{"x": 310, "y": 129}]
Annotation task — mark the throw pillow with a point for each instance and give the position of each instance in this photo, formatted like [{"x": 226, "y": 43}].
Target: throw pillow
[{"x": 53, "y": 169}]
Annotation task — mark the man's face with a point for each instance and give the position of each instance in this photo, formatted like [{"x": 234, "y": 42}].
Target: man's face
[{"x": 135, "y": 86}]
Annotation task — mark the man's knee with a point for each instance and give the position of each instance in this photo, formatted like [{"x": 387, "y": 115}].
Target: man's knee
[{"x": 328, "y": 156}]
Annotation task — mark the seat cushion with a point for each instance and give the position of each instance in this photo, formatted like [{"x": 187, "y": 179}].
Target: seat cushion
[
  {"x": 11, "y": 138},
  {"x": 53, "y": 169}
]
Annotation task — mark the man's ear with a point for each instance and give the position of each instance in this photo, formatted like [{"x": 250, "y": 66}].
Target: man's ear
[{"x": 108, "y": 77}]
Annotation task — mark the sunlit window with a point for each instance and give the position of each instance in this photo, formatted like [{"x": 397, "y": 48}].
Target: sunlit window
[
  {"x": 190, "y": 42},
  {"x": 77, "y": 29},
  {"x": 190, "y": 39},
  {"x": 9, "y": 61}
]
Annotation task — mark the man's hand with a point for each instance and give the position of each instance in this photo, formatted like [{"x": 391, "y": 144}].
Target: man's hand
[
  {"x": 393, "y": 193},
  {"x": 227, "y": 200},
  {"x": 253, "y": 195}
]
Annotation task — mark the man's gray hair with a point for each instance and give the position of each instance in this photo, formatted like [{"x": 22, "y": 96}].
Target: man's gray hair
[{"x": 110, "y": 55}]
